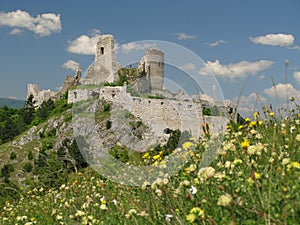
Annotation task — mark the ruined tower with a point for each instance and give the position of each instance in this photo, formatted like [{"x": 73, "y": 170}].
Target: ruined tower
[
  {"x": 103, "y": 69},
  {"x": 152, "y": 65}
]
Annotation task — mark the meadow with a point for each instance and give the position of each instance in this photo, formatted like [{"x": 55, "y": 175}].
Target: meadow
[{"x": 255, "y": 179}]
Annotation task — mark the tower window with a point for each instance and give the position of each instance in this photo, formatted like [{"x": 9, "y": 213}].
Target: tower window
[{"x": 102, "y": 50}]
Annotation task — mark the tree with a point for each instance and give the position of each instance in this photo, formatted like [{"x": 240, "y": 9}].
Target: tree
[
  {"x": 9, "y": 130},
  {"x": 46, "y": 108},
  {"x": 29, "y": 110}
]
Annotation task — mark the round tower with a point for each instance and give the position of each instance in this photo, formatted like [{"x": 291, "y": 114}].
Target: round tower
[{"x": 154, "y": 67}]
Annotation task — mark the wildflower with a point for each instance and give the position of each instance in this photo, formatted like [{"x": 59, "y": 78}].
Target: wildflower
[
  {"x": 187, "y": 145},
  {"x": 245, "y": 143},
  {"x": 229, "y": 146},
  {"x": 257, "y": 176},
  {"x": 59, "y": 217},
  {"x": 296, "y": 165},
  {"x": 197, "y": 211},
  {"x": 143, "y": 214},
  {"x": 191, "y": 218},
  {"x": 168, "y": 217},
  {"x": 206, "y": 172},
  {"x": 237, "y": 161},
  {"x": 298, "y": 137},
  {"x": 158, "y": 192},
  {"x": 115, "y": 201},
  {"x": 292, "y": 99},
  {"x": 256, "y": 115},
  {"x": 146, "y": 155},
  {"x": 247, "y": 119},
  {"x": 260, "y": 122},
  {"x": 252, "y": 124},
  {"x": 285, "y": 161},
  {"x": 193, "y": 190},
  {"x": 145, "y": 184},
  {"x": 79, "y": 213},
  {"x": 103, "y": 207},
  {"x": 271, "y": 114},
  {"x": 130, "y": 213},
  {"x": 224, "y": 200}
]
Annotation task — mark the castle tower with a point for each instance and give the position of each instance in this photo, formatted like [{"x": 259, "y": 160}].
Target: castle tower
[
  {"x": 103, "y": 69},
  {"x": 153, "y": 66}
]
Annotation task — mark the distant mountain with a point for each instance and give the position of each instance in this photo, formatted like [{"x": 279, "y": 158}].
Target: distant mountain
[{"x": 12, "y": 103}]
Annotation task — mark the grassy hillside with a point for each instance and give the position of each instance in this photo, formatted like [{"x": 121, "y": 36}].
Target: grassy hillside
[
  {"x": 12, "y": 103},
  {"x": 253, "y": 180}
]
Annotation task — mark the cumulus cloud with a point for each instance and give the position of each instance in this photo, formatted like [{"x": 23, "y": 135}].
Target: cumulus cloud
[
  {"x": 236, "y": 70},
  {"x": 274, "y": 39},
  {"x": 42, "y": 25},
  {"x": 187, "y": 67},
  {"x": 281, "y": 91},
  {"x": 184, "y": 36},
  {"x": 135, "y": 46},
  {"x": 214, "y": 44},
  {"x": 70, "y": 64},
  {"x": 247, "y": 104},
  {"x": 84, "y": 44},
  {"x": 296, "y": 76}
]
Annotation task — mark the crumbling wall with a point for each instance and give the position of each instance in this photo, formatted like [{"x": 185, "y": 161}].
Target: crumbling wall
[{"x": 39, "y": 95}]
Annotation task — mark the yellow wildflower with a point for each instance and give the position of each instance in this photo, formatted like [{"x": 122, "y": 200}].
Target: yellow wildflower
[
  {"x": 198, "y": 212},
  {"x": 257, "y": 176},
  {"x": 187, "y": 145},
  {"x": 191, "y": 218},
  {"x": 146, "y": 155},
  {"x": 247, "y": 119},
  {"x": 271, "y": 114},
  {"x": 296, "y": 165},
  {"x": 256, "y": 115},
  {"x": 245, "y": 143},
  {"x": 252, "y": 124}
]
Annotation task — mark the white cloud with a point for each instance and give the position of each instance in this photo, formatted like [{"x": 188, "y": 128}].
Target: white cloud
[
  {"x": 214, "y": 44},
  {"x": 187, "y": 67},
  {"x": 134, "y": 46},
  {"x": 84, "y": 44},
  {"x": 274, "y": 39},
  {"x": 248, "y": 104},
  {"x": 42, "y": 25},
  {"x": 281, "y": 91},
  {"x": 70, "y": 64},
  {"x": 184, "y": 36},
  {"x": 15, "y": 31},
  {"x": 296, "y": 76},
  {"x": 236, "y": 70}
]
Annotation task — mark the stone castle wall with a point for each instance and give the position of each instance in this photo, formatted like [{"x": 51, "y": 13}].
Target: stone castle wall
[
  {"x": 39, "y": 96},
  {"x": 157, "y": 114}
]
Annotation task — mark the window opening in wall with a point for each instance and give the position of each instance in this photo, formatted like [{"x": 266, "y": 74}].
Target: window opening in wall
[{"x": 102, "y": 50}]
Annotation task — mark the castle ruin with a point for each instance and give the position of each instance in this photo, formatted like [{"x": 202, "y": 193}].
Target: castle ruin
[{"x": 158, "y": 114}]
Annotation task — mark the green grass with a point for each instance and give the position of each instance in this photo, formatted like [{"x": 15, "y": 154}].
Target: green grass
[{"x": 253, "y": 180}]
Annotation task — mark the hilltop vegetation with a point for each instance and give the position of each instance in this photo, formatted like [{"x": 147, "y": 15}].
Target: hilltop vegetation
[{"x": 254, "y": 178}]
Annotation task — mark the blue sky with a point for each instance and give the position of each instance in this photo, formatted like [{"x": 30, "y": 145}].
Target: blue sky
[{"x": 245, "y": 43}]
